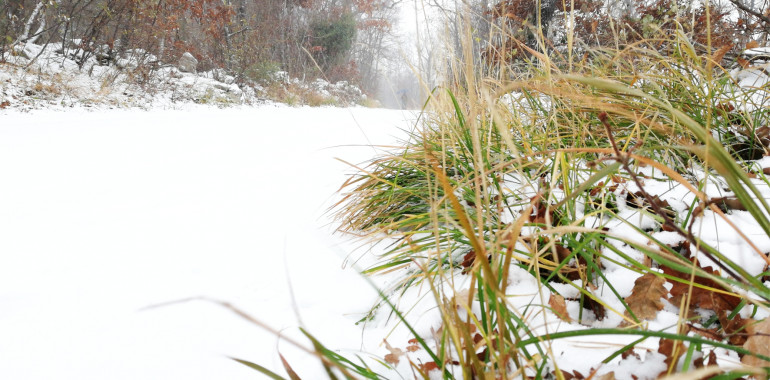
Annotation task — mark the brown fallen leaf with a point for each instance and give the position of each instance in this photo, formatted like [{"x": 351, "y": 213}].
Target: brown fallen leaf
[
  {"x": 735, "y": 329},
  {"x": 414, "y": 345},
  {"x": 759, "y": 343},
  {"x": 700, "y": 373},
  {"x": 701, "y": 297},
  {"x": 574, "y": 375},
  {"x": 599, "y": 311},
  {"x": 672, "y": 350},
  {"x": 719, "y": 54},
  {"x": 645, "y": 299},
  {"x": 427, "y": 367},
  {"x": 394, "y": 357},
  {"x": 728, "y": 203},
  {"x": 559, "y": 307}
]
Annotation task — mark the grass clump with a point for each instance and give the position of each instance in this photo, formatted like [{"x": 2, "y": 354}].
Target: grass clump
[
  {"x": 577, "y": 202},
  {"x": 522, "y": 204}
]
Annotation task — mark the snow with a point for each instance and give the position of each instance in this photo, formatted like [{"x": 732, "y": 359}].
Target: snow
[{"x": 105, "y": 213}]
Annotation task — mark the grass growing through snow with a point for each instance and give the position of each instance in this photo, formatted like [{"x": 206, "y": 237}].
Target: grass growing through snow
[{"x": 523, "y": 208}]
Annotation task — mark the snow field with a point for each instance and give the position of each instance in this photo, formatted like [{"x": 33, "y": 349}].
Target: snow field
[{"x": 105, "y": 213}]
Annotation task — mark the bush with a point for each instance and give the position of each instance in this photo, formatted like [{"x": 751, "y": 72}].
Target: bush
[{"x": 332, "y": 39}]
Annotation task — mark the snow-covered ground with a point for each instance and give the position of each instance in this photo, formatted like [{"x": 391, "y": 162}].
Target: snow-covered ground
[{"x": 104, "y": 213}]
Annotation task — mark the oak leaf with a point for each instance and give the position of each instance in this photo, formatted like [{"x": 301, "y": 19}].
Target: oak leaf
[{"x": 645, "y": 299}]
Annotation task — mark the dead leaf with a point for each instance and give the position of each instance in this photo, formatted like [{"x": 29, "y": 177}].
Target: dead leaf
[
  {"x": 727, "y": 203},
  {"x": 414, "y": 345},
  {"x": 599, "y": 311},
  {"x": 719, "y": 54},
  {"x": 468, "y": 260},
  {"x": 559, "y": 307},
  {"x": 712, "y": 358},
  {"x": 735, "y": 329},
  {"x": 645, "y": 299},
  {"x": 394, "y": 357},
  {"x": 752, "y": 45},
  {"x": 701, "y": 297},
  {"x": 574, "y": 375},
  {"x": 759, "y": 343},
  {"x": 672, "y": 350},
  {"x": 700, "y": 373},
  {"x": 598, "y": 188},
  {"x": 631, "y": 352},
  {"x": 427, "y": 367}
]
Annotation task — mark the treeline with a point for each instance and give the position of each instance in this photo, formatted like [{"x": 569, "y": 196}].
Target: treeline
[
  {"x": 512, "y": 33},
  {"x": 334, "y": 39},
  {"x": 727, "y": 23}
]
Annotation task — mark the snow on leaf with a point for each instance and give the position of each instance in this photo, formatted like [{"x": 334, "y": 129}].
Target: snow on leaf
[
  {"x": 645, "y": 299},
  {"x": 559, "y": 307},
  {"x": 759, "y": 343}
]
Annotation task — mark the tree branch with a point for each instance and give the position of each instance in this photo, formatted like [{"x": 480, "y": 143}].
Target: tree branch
[{"x": 749, "y": 10}]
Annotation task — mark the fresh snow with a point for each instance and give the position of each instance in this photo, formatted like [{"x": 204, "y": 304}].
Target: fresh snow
[{"x": 105, "y": 213}]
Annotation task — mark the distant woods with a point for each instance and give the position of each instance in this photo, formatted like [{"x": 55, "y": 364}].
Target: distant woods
[
  {"x": 509, "y": 34},
  {"x": 333, "y": 39}
]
